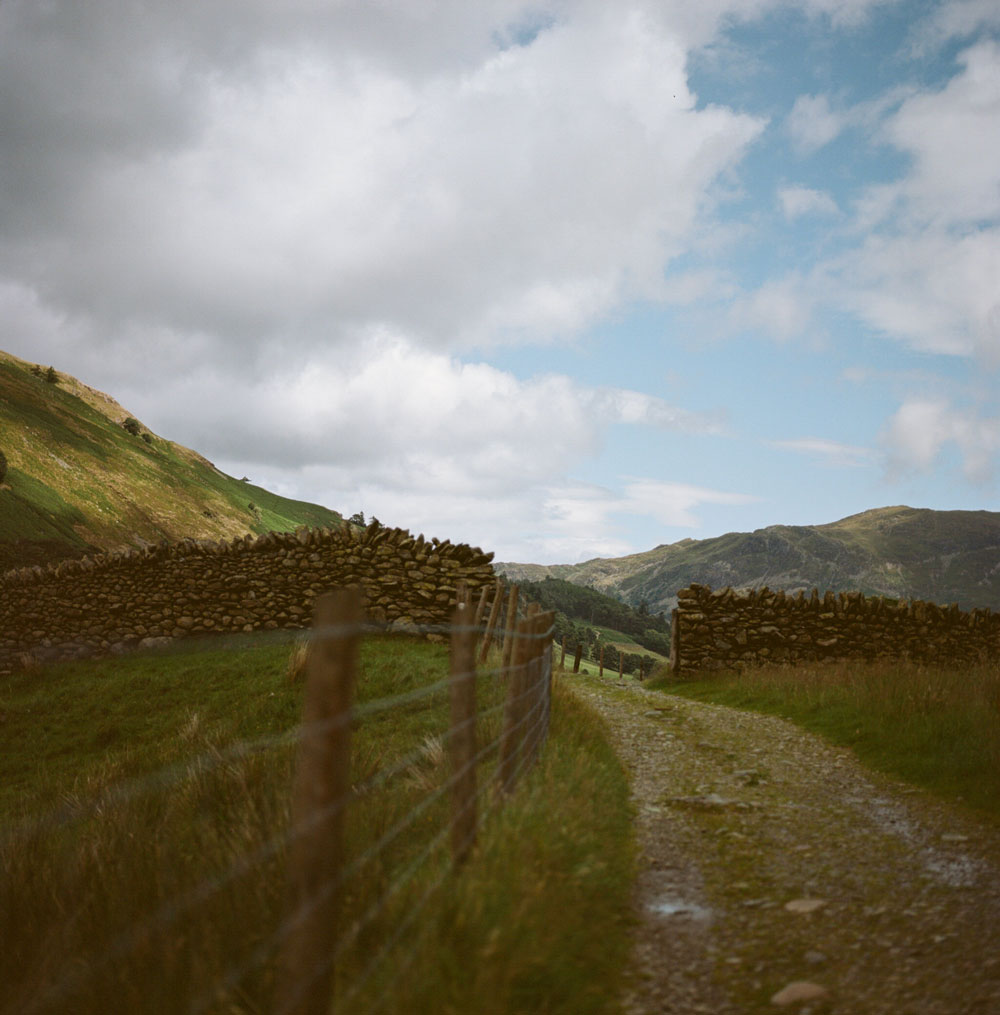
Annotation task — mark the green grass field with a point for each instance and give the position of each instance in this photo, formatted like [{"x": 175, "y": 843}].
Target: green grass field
[
  {"x": 167, "y": 898},
  {"x": 624, "y": 643},
  {"x": 933, "y": 726}
]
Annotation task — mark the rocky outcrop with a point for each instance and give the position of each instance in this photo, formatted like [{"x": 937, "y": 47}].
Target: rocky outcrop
[
  {"x": 112, "y": 602},
  {"x": 728, "y": 629}
]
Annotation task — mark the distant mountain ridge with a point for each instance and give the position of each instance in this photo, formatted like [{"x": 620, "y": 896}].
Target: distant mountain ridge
[
  {"x": 84, "y": 474},
  {"x": 901, "y": 552}
]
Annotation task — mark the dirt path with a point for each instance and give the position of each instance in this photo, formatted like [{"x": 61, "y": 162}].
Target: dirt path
[{"x": 895, "y": 895}]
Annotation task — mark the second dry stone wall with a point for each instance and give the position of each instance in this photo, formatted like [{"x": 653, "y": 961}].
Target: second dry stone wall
[
  {"x": 729, "y": 629},
  {"x": 117, "y": 601}
]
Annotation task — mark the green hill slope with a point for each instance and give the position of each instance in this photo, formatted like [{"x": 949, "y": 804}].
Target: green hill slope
[
  {"x": 901, "y": 552},
  {"x": 77, "y": 480}
]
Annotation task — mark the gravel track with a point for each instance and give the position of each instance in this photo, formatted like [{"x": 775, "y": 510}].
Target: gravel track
[{"x": 895, "y": 893}]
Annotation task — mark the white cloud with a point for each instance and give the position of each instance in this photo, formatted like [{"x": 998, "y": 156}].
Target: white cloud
[
  {"x": 931, "y": 280},
  {"x": 582, "y": 516},
  {"x": 781, "y": 307},
  {"x": 383, "y": 401},
  {"x": 931, "y": 288},
  {"x": 953, "y": 136},
  {"x": 921, "y": 429},
  {"x": 674, "y": 504},
  {"x": 955, "y": 19},
  {"x": 797, "y": 201},
  {"x": 697, "y": 286},
  {"x": 812, "y": 123},
  {"x": 924, "y": 268},
  {"x": 305, "y": 193},
  {"x": 424, "y": 439},
  {"x": 828, "y": 452}
]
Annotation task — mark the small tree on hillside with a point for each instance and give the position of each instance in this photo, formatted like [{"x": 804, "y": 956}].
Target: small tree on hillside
[
  {"x": 131, "y": 424},
  {"x": 3, "y": 466},
  {"x": 51, "y": 376}
]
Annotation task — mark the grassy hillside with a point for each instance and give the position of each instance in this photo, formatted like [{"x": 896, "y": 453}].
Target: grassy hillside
[
  {"x": 78, "y": 480},
  {"x": 900, "y": 552}
]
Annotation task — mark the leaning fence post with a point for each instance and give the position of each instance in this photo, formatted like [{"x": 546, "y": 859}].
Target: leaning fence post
[
  {"x": 462, "y": 741},
  {"x": 492, "y": 624},
  {"x": 512, "y": 737},
  {"x": 539, "y": 670},
  {"x": 508, "y": 638},
  {"x": 547, "y": 675},
  {"x": 578, "y": 657},
  {"x": 322, "y": 784},
  {"x": 480, "y": 608}
]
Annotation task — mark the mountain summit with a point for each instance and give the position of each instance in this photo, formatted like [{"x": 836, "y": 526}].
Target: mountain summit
[
  {"x": 84, "y": 474},
  {"x": 901, "y": 552}
]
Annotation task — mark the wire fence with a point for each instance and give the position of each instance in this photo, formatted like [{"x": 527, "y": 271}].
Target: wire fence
[{"x": 348, "y": 861}]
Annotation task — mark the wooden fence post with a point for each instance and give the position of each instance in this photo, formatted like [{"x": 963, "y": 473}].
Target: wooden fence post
[
  {"x": 512, "y": 627},
  {"x": 462, "y": 742},
  {"x": 515, "y": 708},
  {"x": 578, "y": 657},
  {"x": 319, "y": 798},
  {"x": 675, "y": 643},
  {"x": 547, "y": 676},
  {"x": 539, "y": 673},
  {"x": 492, "y": 624},
  {"x": 601, "y": 671},
  {"x": 480, "y": 608}
]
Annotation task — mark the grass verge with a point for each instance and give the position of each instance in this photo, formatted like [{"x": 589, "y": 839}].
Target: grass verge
[
  {"x": 933, "y": 726},
  {"x": 168, "y": 899}
]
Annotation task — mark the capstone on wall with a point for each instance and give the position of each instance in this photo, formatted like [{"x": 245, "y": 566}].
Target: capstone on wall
[
  {"x": 729, "y": 629},
  {"x": 139, "y": 598}
]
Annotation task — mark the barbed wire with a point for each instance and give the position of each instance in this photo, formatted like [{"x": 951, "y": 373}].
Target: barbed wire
[
  {"x": 170, "y": 776},
  {"x": 324, "y": 892},
  {"x": 523, "y": 761}
]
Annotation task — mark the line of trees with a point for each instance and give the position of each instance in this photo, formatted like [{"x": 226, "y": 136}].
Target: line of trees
[
  {"x": 578, "y": 607},
  {"x": 587, "y": 606}
]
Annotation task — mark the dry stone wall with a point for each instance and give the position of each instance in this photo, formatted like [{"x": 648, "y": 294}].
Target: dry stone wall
[
  {"x": 728, "y": 629},
  {"x": 116, "y": 601}
]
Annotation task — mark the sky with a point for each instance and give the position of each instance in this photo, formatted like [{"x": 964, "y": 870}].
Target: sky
[{"x": 561, "y": 279}]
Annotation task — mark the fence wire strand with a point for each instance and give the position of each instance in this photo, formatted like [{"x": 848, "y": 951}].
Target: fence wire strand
[
  {"x": 233, "y": 977},
  {"x": 170, "y": 776}
]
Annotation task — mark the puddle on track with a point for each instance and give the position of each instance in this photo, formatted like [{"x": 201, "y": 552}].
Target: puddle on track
[{"x": 671, "y": 905}]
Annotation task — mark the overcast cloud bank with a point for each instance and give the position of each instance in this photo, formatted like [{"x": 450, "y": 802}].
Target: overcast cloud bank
[{"x": 299, "y": 240}]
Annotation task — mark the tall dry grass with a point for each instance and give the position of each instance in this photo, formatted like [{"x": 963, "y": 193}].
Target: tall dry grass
[{"x": 937, "y": 726}]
